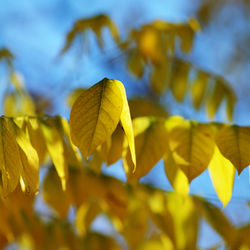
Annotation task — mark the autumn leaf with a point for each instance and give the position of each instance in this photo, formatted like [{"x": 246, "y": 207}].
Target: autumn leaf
[
  {"x": 150, "y": 145},
  {"x": 10, "y": 165},
  {"x": 175, "y": 175},
  {"x": 54, "y": 196},
  {"x": 96, "y": 113},
  {"x": 55, "y": 147},
  {"x": 192, "y": 146},
  {"x": 28, "y": 156},
  {"x": 233, "y": 142},
  {"x": 222, "y": 174},
  {"x": 199, "y": 87}
]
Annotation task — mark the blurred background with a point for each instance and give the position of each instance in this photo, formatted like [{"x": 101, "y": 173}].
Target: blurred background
[{"x": 35, "y": 33}]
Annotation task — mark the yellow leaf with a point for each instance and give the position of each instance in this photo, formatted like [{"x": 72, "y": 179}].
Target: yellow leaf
[
  {"x": 156, "y": 244},
  {"x": 222, "y": 173},
  {"x": 136, "y": 225},
  {"x": 96, "y": 241},
  {"x": 230, "y": 102},
  {"x": 149, "y": 44},
  {"x": 95, "y": 115},
  {"x": 192, "y": 146},
  {"x": 29, "y": 159},
  {"x": 184, "y": 215},
  {"x": 53, "y": 194},
  {"x": 74, "y": 95},
  {"x": 71, "y": 152},
  {"x": 10, "y": 164},
  {"x": 194, "y": 24},
  {"x": 145, "y": 107},
  {"x": 233, "y": 143},
  {"x": 179, "y": 80},
  {"x": 96, "y": 162},
  {"x": 150, "y": 146},
  {"x": 198, "y": 88},
  {"x": 18, "y": 103},
  {"x": 160, "y": 76},
  {"x": 85, "y": 215},
  {"x": 186, "y": 34},
  {"x": 116, "y": 148},
  {"x": 55, "y": 146},
  {"x": 216, "y": 219},
  {"x": 135, "y": 64},
  {"x": 36, "y": 138},
  {"x": 96, "y": 23},
  {"x": 215, "y": 99},
  {"x": 127, "y": 126},
  {"x": 175, "y": 175}
]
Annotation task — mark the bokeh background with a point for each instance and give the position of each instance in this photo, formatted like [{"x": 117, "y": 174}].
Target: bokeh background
[{"x": 35, "y": 32}]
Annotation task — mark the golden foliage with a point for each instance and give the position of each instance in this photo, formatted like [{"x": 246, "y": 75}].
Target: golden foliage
[{"x": 100, "y": 130}]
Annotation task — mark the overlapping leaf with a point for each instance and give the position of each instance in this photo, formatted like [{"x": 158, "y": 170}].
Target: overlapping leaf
[
  {"x": 96, "y": 113},
  {"x": 192, "y": 146},
  {"x": 151, "y": 143},
  {"x": 233, "y": 142}
]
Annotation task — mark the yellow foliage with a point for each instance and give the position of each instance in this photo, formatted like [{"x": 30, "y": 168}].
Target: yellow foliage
[
  {"x": 150, "y": 146},
  {"x": 96, "y": 113},
  {"x": 233, "y": 142},
  {"x": 192, "y": 147},
  {"x": 100, "y": 127},
  {"x": 175, "y": 175},
  {"x": 96, "y": 24},
  {"x": 222, "y": 173}
]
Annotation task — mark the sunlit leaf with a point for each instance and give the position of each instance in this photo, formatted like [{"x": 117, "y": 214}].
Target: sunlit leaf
[
  {"x": 116, "y": 148},
  {"x": 222, "y": 173},
  {"x": 18, "y": 103},
  {"x": 150, "y": 146},
  {"x": 28, "y": 157},
  {"x": 192, "y": 146},
  {"x": 127, "y": 126},
  {"x": 95, "y": 115},
  {"x": 74, "y": 95},
  {"x": 233, "y": 143},
  {"x": 10, "y": 164},
  {"x": 55, "y": 146},
  {"x": 36, "y": 138},
  {"x": 149, "y": 44},
  {"x": 183, "y": 212},
  {"x": 175, "y": 175}
]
